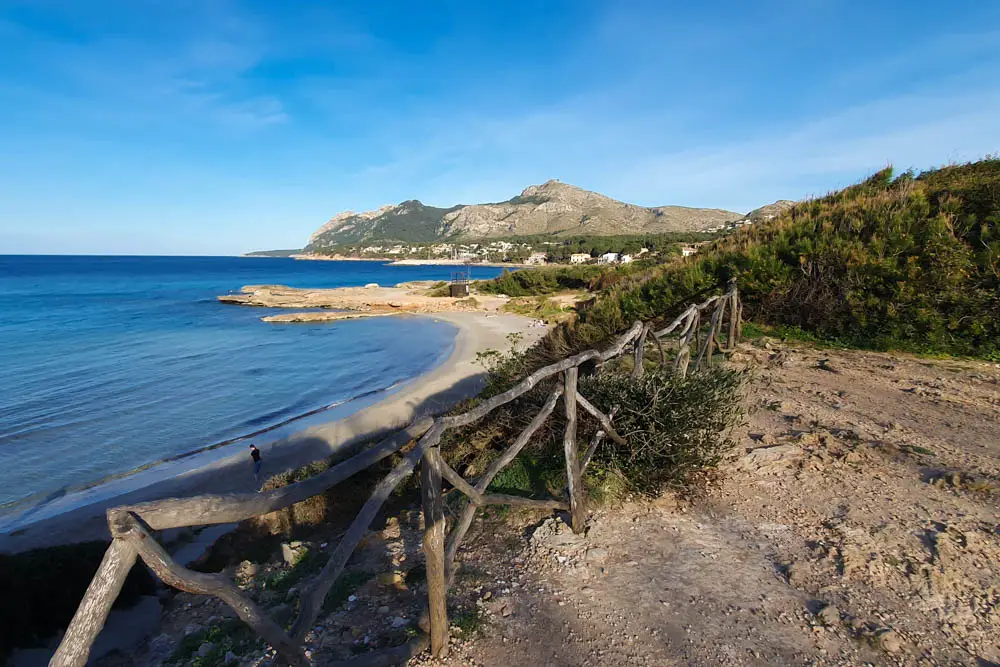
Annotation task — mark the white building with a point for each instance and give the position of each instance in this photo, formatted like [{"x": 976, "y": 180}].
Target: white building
[
  {"x": 608, "y": 258},
  {"x": 579, "y": 258},
  {"x": 536, "y": 258},
  {"x": 687, "y": 251},
  {"x": 625, "y": 259}
]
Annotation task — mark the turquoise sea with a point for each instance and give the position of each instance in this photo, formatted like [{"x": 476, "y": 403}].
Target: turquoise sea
[{"x": 108, "y": 364}]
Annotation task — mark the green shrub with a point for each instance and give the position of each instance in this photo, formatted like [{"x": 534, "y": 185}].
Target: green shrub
[
  {"x": 307, "y": 564},
  {"x": 229, "y": 635},
  {"x": 41, "y": 589},
  {"x": 535, "y": 282},
  {"x": 540, "y": 307},
  {"x": 470, "y": 621},
  {"x": 440, "y": 288},
  {"x": 909, "y": 263},
  {"x": 676, "y": 429}
]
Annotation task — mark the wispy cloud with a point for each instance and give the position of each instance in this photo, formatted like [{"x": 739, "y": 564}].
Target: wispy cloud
[
  {"x": 184, "y": 73},
  {"x": 668, "y": 155}
]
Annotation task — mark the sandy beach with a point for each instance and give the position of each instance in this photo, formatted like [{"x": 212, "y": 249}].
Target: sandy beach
[{"x": 436, "y": 391}]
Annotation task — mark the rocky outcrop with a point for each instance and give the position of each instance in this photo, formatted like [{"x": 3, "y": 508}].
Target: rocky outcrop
[
  {"x": 765, "y": 213},
  {"x": 549, "y": 208},
  {"x": 353, "y": 302},
  {"x": 318, "y": 316}
]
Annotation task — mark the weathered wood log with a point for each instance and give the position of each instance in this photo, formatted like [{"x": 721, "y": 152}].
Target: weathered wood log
[
  {"x": 126, "y": 525},
  {"x": 469, "y": 511},
  {"x": 708, "y": 302},
  {"x": 578, "y": 510},
  {"x": 389, "y": 657},
  {"x": 521, "y": 388},
  {"x": 460, "y": 483},
  {"x": 733, "y": 317},
  {"x": 311, "y": 602},
  {"x": 640, "y": 348},
  {"x": 529, "y": 382},
  {"x": 680, "y": 319},
  {"x": 520, "y": 442},
  {"x": 478, "y": 498},
  {"x": 434, "y": 529},
  {"x": 601, "y": 417},
  {"x": 230, "y": 508},
  {"x": 682, "y": 361},
  {"x": 684, "y": 351},
  {"x": 595, "y": 442},
  {"x": 659, "y": 346},
  {"x": 705, "y": 353},
  {"x": 739, "y": 318},
  {"x": 90, "y": 616},
  {"x": 619, "y": 345},
  {"x": 520, "y": 501}
]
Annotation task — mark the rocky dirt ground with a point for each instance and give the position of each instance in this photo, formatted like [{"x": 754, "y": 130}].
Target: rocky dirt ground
[{"x": 858, "y": 523}]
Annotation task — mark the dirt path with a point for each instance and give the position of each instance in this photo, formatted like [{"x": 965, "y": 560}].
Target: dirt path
[{"x": 858, "y": 524}]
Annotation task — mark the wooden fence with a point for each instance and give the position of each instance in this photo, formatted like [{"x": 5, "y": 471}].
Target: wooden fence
[{"x": 132, "y": 526}]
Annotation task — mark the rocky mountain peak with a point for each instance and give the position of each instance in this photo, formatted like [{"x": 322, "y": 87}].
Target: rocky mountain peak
[{"x": 552, "y": 207}]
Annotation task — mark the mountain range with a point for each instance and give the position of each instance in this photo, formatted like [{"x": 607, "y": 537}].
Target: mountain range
[{"x": 552, "y": 208}]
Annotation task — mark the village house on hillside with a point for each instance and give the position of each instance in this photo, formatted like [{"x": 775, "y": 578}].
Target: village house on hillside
[
  {"x": 536, "y": 258},
  {"x": 579, "y": 258},
  {"x": 608, "y": 258},
  {"x": 687, "y": 251}
]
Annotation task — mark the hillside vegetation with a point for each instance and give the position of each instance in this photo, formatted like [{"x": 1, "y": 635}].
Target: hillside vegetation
[{"x": 908, "y": 262}]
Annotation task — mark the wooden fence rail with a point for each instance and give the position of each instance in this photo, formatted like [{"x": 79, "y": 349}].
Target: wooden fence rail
[{"x": 132, "y": 526}]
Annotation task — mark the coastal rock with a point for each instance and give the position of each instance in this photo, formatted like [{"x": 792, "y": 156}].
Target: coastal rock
[
  {"x": 312, "y": 316},
  {"x": 352, "y": 302}
]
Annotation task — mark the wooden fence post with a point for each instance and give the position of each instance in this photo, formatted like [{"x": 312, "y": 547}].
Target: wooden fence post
[
  {"x": 87, "y": 623},
  {"x": 640, "y": 345},
  {"x": 734, "y": 317},
  {"x": 684, "y": 352},
  {"x": 434, "y": 530},
  {"x": 576, "y": 493},
  {"x": 705, "y": 352}
]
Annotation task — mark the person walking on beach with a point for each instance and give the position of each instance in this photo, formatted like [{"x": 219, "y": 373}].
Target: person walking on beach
[{"x": 255, "y": 456}]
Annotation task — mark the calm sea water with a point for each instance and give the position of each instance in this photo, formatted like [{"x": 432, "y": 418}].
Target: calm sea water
[{"x": 111, "y": 363}]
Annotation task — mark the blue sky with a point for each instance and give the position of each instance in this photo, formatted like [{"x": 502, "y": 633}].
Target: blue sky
[{"x": 220, "y": 126}]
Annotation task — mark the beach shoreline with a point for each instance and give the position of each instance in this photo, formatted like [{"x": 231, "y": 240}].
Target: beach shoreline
[
  {"x": 395, "y": 261},
  {"x": 458, "y": 377}
]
